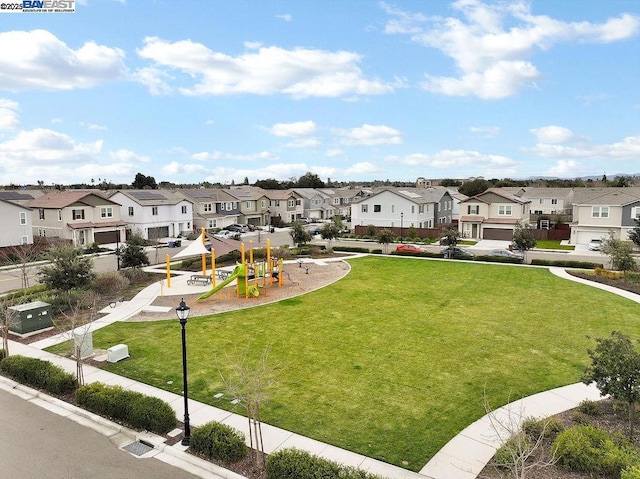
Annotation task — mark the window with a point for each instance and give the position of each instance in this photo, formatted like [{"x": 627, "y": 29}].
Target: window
[
  {"x": 130, "y": 210},
  {"x": 247, "y": 205},
  {"x": 263, "y": 203},
  {"x": 298, "y": 202},
  {"x": 473, "y": 209},
  {"x": 364, "y": 208},
  {"x": 41, "y": 214},
  {"x": 77, "y": 214},
  {"x": 206, "y": 207},
  {"x": 184, "y": 209},
  {"x": 377, "y": 208},
  {"x": 106, "y": 212},
  {"x": 635, "y": 212},
  {"x": 154, "y": 210},
  {"x": 25, "y": 240},
  {"x": 600, "y": 212},
  {"x": 421, "y": 209},
  {"x": 228, "y": 206},
  {"x": 413, "y": 209},
  {"x": 212, "y": 224},
  {"x": 393, "y": 208},
  {"x": 291, "y": 203},
  {"x": 59, "y": 215},
  {"x": 42, "y": 232},
  {"x": 554, "y": 201},
  {"x": 23, "y": 218},
  {"x": 504, "y": 210},
  {"x": 542, "y": 201}
]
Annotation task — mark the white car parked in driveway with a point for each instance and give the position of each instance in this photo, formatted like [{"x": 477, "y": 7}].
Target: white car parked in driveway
[
  {"x": 595, "y": 245},
  {"x": 226, "y": 234}
]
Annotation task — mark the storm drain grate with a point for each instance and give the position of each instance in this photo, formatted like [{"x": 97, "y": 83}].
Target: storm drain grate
[{"x": 138, "y": 448}]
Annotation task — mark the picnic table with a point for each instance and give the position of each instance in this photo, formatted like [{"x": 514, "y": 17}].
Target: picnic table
[
  {"x": 222, "y": 274},
  {"x": 203, "y": 279}
]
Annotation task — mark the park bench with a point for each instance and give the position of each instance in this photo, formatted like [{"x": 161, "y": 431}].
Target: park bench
[{"x": 200, "y": 279}]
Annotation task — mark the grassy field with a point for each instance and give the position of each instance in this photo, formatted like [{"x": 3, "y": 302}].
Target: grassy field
[
  {"x": 554, "y": 244},
  {"x": 393, "y": 360}
]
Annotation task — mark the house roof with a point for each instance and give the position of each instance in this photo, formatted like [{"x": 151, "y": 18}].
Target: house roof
[
  {"x": 247, "y": 193},
  {"x": 535, "y": 192},
  {"x": 499, "y": 192},
  {"x": 17, "y": 197},
  {"x": 416, "y": 195},
  {"x": 606, "y": 196},
  {"x": 62, "y": 199},
  {"x": 205, "y": 195},
  {"x": 91, "y": 224},
  {"x": 153, "y": 197}
]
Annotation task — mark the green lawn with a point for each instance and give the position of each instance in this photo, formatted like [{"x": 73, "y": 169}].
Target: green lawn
[
  {"x": 554, "y": 244},
  {"x": 393, "y": 360}
]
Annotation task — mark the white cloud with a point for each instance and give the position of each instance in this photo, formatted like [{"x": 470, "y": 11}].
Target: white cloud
[
  {"x": 272, "y": 70},
  {"x": 9, "y": 119},
  {"x": 43, "y": 146},
  {"x": 285, "y": 16},
  {"x": 552, "y": 143},
  {"x": 567, "y": 169},
  {"x": 217, "y": 156},
  {"x": 39, "y": 60},
  {"x": 553, "y": 134},
  {"x": 293, "y": 130},
  {"x": 358, "y": 170},
  {"x": 492, "y": 58},
  {"x": 128, "y": 156},
  {"x": 370, "y": 135},
  {"x": 485, "y": 132}
]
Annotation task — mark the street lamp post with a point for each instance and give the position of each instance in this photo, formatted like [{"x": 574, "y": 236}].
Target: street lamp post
[
  {"x": 401, "y": 224},
  {"x": 118, "y": 252},
  {"x": 183, "y": 314}
]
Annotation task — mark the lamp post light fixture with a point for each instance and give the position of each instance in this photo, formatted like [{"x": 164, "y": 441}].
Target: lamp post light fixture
[
  {"x": 183, "y": 314},
  {"x": 401, "y": 225}
]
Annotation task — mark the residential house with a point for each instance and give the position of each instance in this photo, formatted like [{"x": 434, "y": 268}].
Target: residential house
[
  {"x": 254, "y": 205},
  {"x": 285, "y": 206},
  {"x": 16, "y": 222},
  {"x": 81, "y": 216},
  {"x": 340, "y": 200},
  {"x": 599, "y": 212},
  {"x": 213, "y": 208},
  {"x": 316, "y": 204},
  {"x": 492, "y": 214},
  {"x": 155, "y": 214},
  {"x": 404, "y": 208}
]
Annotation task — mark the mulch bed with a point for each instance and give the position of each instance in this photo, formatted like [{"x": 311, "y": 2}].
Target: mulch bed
[{"x": 630, "y": 286}]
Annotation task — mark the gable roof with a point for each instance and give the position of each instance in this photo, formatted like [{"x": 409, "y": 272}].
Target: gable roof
[
  {"x": 152, "y": 197},
  {"x": 62, "y": 199},
  {"x": 606, "y": 196},
  {"x": 499, "y": 192}
]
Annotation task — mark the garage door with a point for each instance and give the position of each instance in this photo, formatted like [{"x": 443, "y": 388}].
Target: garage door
[
  {"x": 158, "y": 232},
  {"x": 497, "y": 234},
  {"x": 105, "y": 237}
]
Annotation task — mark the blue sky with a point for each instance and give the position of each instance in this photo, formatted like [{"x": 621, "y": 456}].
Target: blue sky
[{"x": 352, "y": 90}]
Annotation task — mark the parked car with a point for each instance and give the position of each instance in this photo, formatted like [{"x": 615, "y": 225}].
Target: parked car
[
  {"x": 503, "y": 253},
  {"x": 456, "y": 253},
  {"x": 595, "y": 245},
  {"x": 315, "y": 230},
  {"x": 410, "y": 248},
  {"x": 237, "y": 228},
  {"x": 226, "y": 234}
]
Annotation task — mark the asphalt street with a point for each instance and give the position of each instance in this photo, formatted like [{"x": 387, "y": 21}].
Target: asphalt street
[{"x": 37, "y": 444}]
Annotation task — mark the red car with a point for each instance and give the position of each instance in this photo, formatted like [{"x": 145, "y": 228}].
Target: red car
[{"x": 410, "y": 248}]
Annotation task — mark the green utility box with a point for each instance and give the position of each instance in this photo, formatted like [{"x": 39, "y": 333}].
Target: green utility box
[{"x": 31, "y": 317}]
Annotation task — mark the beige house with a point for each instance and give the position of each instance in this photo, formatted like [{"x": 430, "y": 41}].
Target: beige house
[
  {"x": 84, "y": 217},
  {"x": 284, "y": 205},
  {"x": 492, "y": 214}
]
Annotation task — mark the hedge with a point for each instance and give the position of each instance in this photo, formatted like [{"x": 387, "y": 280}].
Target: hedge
[
  {"x": 131, "y": 408},
  {"x": 352, "y": 249},
  {"x": 38, "y": 374},
  {"x": 566, "y": 263},
  {"x": 498, "y": 259},
  {"x": 219, "y": 441},
  {"x": 295, "y": 464}
]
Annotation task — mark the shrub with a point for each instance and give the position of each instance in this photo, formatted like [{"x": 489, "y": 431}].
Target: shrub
[
  {"x": 352, "y": 249},
  {"x": 135, "y": 275},
  {"x": 109, "y": 283},
  {"x": 515, "y": 447},
  {"x": 295, "y": 464},
  {"x": 38, "y": 374},
  {"x": 2, "y": 354},
  {"x": 631, "y": 472},
  {"x": 219, "y": 441},
  {"x": 128, "y": 407},
  {"x": 498, "y": 259},
  {"x": 594, "y": 451},
  {"x": 588, "y": 407},
  {"x": 535, "y": 428},
  {"x": 605, "y": 273},
  {"x": 566, "y": 263}
]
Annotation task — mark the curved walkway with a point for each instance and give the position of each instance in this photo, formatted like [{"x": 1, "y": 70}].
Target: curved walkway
[{"x": 463, "y": 457}]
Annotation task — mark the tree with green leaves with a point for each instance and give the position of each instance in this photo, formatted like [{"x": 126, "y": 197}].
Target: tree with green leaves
[
  {"x": 299, "y": 234},
  {"x": 330, "y": 232},
  {"x": 634, "y": 234},
  {"x": 67, "y": 269},
  {"x": 142, "y": 181},
  {"x": 615, "y": 368},
  {"x": 133, "y": 254},
  {"x": 384, "y": 237},
  {"x": 310, "y": 180},
  {"x": 474, "y": 187},
  {"x": 523, "y": 238},
  {"x": 620, "y": 254}
]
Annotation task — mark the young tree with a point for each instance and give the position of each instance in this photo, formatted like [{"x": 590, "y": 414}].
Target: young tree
[
  {"x": 384, "y": 237},
  {"x": 615, "y": 368},
  {"x": 450, "y": 238},
  {"x": 634, "y": 234},
  {"x": 68, "y": 269},
  {"x": 250, "y": 384},
  {"x": 620, "y": 254},
  {"x": 523, "y": 238},
  {"x": 299, "y": 235},
  {"x": 133, "y": 254},
  {"x": 329, "y": 232},
  {"x": 21, "y": 256}
]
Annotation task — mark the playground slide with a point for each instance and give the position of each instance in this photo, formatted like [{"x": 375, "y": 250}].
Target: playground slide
[{"x": 221, "y": 285}]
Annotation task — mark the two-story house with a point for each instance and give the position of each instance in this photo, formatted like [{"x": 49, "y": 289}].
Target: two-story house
[
  {"x": 213, "y": 208},
  {"x": 84, "y": 217},
  {"x": 315, "y": 203},
  {"x": 155, "y": 214},
  {"x": 254, "y": 205},
  {"x": 492, "y": 214},
  {"x": 404, "y": 208},
  {"x": 16, "y": 222},
  {"x": 598, "y": 212},
  {"x": 285, "y": 206}
]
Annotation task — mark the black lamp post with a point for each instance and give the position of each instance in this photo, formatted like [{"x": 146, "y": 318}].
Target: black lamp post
[
  {"x": 183, "y": 314},
  {"x": 401, "y": 221},
  {"x": 118, "y": 253}
]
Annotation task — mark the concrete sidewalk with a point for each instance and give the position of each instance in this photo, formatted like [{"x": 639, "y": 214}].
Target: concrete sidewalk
[{"x": 462, "y": 458}]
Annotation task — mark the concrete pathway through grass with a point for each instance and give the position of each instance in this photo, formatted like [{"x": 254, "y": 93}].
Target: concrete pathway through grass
[{"x": 461, "y": 458}]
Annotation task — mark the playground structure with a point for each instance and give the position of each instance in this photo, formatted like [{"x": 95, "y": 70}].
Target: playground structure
[{"x": 252, "y": 277}]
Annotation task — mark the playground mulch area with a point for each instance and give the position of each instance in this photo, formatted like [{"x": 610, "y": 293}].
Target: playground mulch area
[{"x": 298, "y": 279}]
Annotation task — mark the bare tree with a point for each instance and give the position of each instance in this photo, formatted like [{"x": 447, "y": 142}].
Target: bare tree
[
  {"x": 21, "y": 256},
  {"x": 249, "y": 385},
  {"x": 520, "y": 451},
  {"x": 8, "y": 317}
]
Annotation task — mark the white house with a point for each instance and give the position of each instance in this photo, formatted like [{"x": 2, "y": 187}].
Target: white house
[{"x": 16, "y": 224}]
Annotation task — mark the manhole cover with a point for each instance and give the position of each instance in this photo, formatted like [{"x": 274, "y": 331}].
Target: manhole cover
[{"x": 138, "y": 448}]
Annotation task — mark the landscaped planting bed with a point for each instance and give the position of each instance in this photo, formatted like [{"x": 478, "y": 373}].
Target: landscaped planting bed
[{"x": 395, "y": 359}]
